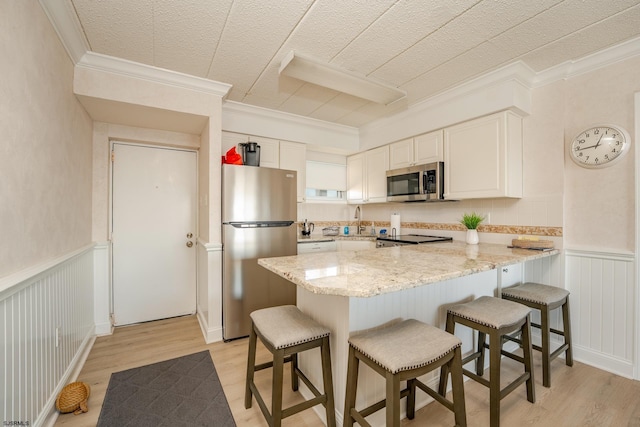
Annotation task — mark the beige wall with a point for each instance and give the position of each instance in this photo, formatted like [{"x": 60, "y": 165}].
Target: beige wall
[
  {"x": 45, "y": 150},
  {"x": 600, "y": 203}
]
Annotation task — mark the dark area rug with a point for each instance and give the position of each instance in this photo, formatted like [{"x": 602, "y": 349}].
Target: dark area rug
[{"x": 179, "y": 392}]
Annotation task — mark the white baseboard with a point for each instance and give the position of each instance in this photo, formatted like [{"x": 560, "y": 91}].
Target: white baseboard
[
  {"x": 602, "y": 361},
  {"x": 48, "y": 417},
  {"x": 104, "y": 329},
  {"x": 211, "y": 335}
]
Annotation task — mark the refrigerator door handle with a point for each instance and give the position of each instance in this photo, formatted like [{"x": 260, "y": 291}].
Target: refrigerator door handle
[{"x": 260, "y": 224}]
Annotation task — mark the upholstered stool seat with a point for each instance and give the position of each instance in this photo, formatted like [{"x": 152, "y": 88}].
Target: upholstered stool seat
[
  {"x": 545, "y": 298},
  {"x": 285, "y": 331},
  {"x": 404, "y": 351},
  {"x": 494, "y": 317}
]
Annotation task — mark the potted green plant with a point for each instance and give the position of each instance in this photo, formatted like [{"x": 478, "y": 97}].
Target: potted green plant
[{"x": 471, "y": 221}]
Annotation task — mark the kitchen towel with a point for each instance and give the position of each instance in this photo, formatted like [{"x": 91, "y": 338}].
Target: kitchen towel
[{"x": 395, "y": 223}]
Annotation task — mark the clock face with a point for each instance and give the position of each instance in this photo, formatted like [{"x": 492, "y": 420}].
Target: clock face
[{"x": 599, "y": 146}]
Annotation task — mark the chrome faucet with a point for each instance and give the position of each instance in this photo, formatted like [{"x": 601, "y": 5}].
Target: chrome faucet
[{"x": 358, "y": 216}]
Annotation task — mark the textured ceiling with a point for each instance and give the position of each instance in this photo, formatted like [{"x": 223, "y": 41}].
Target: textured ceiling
[{"x": 422, "y": 46}]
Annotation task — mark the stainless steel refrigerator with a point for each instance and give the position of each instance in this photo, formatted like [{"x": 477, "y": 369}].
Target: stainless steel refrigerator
[{"x": 258, "y": 221}]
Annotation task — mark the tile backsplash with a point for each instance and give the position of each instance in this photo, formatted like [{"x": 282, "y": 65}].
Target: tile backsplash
[{"x": 538, "y": 211}]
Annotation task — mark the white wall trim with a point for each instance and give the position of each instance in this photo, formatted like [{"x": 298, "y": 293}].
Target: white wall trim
[
  {"x": 123, "y": 67},
  {"x": 65, "y": 22},
  {"x": 636, "y": 359},
  {"x": 209, "y": 247},
  {"x": 211, "y": 334},
  {"x": 604, "y": 58},
  {"x": 15, "y": 282},
  {"x": 600, "y": 254},
  {"x": 209, "y": 306},
  {"x": 102, "y": 288},
  {"x": 603, "y": 361}
]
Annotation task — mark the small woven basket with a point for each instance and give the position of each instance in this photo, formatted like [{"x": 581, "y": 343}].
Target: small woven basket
[{"x": 73, "y": 398}]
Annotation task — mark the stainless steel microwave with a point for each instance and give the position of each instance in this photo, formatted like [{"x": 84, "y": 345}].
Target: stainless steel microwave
[{"x": 422, "y": 183}]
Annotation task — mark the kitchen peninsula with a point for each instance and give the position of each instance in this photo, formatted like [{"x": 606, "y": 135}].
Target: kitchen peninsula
[{"x": 356, "y": 290}]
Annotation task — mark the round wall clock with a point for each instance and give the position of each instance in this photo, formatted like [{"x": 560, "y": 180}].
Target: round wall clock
[{"x": 600, "y": 146}]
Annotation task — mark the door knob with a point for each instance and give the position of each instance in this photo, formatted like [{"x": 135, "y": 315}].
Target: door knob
[{"x": 189, "y": 243}]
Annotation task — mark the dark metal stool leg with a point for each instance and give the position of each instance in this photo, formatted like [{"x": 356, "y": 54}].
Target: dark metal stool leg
[
  {"x": 352, "y": 386},
  {"x": 495, "y": 347},
  {"x": 566, "y": 321},
  {"x": 457, "y": 388},
  {"x": 393, "y": 400},
  {"x": 276, "y": 389},
  {"x": 327, "y": 381},
  {"x": 545, "y": 329},
  {"x": 482, "y": 338},
  {"x": 444, "y": 370},
  {"x": 251, "y": 363},
  {"x": 294, "y": 374},
  {"x": 528, "y": 359}
]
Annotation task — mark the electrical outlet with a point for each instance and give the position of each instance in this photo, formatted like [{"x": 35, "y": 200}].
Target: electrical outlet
[{"x": 488, "y": 218}]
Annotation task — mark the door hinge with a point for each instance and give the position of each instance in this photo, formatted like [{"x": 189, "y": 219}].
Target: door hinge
[{"x": 113, "y": 156}]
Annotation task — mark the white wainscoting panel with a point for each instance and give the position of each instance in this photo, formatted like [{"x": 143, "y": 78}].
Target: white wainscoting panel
[
  {"x": 602, "y": 299},
  {"x": 46, "y": 325}
]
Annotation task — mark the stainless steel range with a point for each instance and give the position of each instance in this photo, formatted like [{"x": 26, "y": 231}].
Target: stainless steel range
[{"x": 409, "y": 239}]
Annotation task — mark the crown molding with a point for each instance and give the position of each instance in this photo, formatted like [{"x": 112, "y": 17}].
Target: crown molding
[
  {"x": 508, "y": 88},
  {"x": 110, "y": 64},
  {"x": 252, "y": 110},
  {"x": 259, "y": 121},
  {"x": 65, "y": 22},
  {"x": 603, "y": 58}
]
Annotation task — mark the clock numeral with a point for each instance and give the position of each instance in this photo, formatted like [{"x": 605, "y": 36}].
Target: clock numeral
[{"x": 596, "y": 132}]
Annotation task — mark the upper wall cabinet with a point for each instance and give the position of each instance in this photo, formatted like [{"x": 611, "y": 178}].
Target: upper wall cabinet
[
  {"x": 367, "y": 176},
  {"x": 483, "y": 158},
  {"x": 269, "y": 148},
  {"x": 293, "y": 156},
  {"x": 419, "y": 150}
]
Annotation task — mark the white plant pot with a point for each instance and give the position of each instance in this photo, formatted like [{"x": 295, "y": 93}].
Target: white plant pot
[{"x": 472, "y": 237}]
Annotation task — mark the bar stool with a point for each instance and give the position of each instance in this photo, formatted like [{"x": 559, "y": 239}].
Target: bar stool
[
  {"x": 545, "y": 298},
  {"x": 494, "y": 317},
  {"x": 404, "y": 351},
  {"x": 285, "y": 331}
]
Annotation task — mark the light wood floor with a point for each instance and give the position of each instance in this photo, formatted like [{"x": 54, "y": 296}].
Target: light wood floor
[{"x": 579, "y": 396}]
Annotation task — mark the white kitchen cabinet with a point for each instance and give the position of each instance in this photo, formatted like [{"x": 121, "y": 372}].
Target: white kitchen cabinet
[
  {"x": 366, "y": 176},
  {"x": 293, "y": 156},
  {"x": 269, "y": 152},
  {"x": 316, "y": 247},
  {"x": 422, "y": 149},
  {"x": 269, "y": 148},
  {"x": 483, "y": 158},
  {"x": 355, "y": 178},
  {"x": 355, "y": 245},
  {"x": 401, "y": 154}
]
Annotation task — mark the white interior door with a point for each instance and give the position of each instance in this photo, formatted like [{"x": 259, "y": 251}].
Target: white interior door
[{"x": 154, "y": 212}]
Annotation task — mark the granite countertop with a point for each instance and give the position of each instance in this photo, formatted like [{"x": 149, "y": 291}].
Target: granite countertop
[
  {"x": 373, "y": 272},
  {"x": 319, "y": 238}
]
